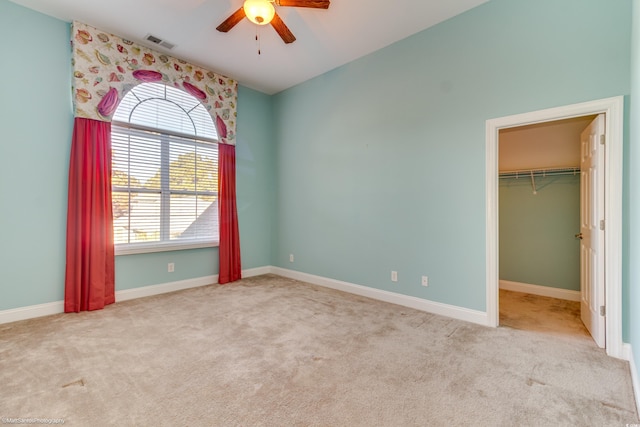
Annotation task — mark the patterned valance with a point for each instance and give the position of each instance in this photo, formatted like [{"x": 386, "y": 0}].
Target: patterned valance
[{"x": 106, "y": 67}]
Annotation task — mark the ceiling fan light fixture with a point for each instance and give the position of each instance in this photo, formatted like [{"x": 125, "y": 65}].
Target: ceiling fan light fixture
[{"x": 259, "y": 12}]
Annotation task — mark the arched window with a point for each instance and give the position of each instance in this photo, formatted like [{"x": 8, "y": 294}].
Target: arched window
[{"x": 165, "y": 171}]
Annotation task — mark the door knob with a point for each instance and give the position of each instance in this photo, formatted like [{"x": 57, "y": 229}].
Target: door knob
[{"x": 579, "y": 236}]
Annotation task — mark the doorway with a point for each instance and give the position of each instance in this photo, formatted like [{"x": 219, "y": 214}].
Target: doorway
[
  {"x": 539, "y": 224},
  {"x": 612, "y": 108}
]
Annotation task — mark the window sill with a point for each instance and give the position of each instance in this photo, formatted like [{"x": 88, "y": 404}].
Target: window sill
[{"x": 144, "y": 248}]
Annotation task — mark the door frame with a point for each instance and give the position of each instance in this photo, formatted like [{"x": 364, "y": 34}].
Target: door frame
[{"x": 613, "y": 108}]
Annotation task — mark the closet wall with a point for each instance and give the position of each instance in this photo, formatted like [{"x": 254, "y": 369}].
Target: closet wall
[
  {"x": 537, "y": 243},
  {"x": 540, "y": 217}
]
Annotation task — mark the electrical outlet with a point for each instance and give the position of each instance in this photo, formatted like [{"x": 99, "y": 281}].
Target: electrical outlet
[
  {"x": 394, "y": 276},
  {"x": 171, "y": 267},
  {"x": 290, "y": 257},
  {"x": 425, "y": 281}
]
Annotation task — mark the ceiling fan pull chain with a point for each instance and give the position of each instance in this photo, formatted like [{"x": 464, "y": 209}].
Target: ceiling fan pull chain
[{"x": 258, "y": 38}]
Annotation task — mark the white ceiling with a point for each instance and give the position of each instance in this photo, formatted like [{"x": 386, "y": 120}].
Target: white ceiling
[{"x": 326, "y": 39}]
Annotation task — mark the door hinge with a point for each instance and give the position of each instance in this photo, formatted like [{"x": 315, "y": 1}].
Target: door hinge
[
  {"x": 602, "y": 139},
  {"x": 603, "y": 310},
  {"x": 602, "y": 224}
]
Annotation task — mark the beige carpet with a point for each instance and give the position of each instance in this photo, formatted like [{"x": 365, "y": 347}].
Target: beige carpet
[
  {"x": 269, "y": 351},
  {"x": 542, "y": 314}
]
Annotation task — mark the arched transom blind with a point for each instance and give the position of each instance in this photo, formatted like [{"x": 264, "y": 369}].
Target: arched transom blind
[{"x": 165, "y": 171}]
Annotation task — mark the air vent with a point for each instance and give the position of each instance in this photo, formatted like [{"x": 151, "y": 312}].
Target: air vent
[{"x": 157, "y": 40}]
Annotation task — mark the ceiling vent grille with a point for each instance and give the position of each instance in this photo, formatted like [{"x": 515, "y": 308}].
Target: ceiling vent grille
[{"x": 157, "y": 40}]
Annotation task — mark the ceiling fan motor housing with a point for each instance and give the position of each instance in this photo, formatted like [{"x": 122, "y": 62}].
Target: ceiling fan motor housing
[
  {"x": 259, "y": 11},
  {"x": 262, "y": 12}
]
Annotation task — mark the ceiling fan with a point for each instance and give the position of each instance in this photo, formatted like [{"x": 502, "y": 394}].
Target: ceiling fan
[{"x": 262, "y": 12}]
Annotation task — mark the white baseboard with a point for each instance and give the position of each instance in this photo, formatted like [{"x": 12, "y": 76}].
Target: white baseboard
[
  {"x": 544, "y": 291},
  {"x": 147, "y": 291},
  {"x": 57, "y": 307},
  {"x": 627, "y": 351},
  {"x": 257, "y": 271},
  {"x": 29, "y": 312},
  {"x": 460, "y": 313},
  {"x": 473, "y": 316}
]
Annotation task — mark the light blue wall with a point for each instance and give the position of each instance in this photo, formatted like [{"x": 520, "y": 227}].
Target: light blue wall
[
  {"x": 537, "y": 243},
  {"x": 36, "y": 120},
  {"x": 634, "y": 298},
  {"x": 35, "y": 86},
  {"x": 255, "y": 177},
  {"x": 381, "y": 162},
  {"x": 133, "y": 271}
]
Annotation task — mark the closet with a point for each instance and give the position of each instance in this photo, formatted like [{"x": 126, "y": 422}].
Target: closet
[{"x": 539, "y": 208}]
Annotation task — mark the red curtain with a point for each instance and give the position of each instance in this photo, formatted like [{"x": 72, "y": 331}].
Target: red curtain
[
  {"x": 229, "y": 250},
  {"x": 90, "y": 274}
]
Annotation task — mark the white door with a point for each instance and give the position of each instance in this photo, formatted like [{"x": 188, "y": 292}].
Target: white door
[{"x": 592, "y": 230}]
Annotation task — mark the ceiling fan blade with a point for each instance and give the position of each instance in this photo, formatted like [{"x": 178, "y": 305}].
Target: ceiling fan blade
[
  {"x": 231, "y": 21},
  {"x": 280, "y": 27},
  {"x": 315, "y": 4}
]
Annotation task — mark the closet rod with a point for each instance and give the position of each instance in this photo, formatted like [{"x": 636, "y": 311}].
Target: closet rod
[{"x": 529, "y": 173}]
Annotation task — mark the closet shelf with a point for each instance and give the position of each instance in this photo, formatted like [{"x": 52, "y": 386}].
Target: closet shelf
[
  {"x": 537, "y": 173},
  {"x": 532, "y": 174}
]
